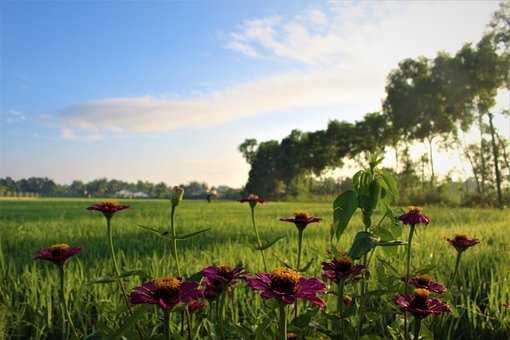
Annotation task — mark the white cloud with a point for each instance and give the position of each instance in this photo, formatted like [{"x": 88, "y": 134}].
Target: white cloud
[
  {"x": 344, "y": 53},
  {"x": 13, "y": 116}
]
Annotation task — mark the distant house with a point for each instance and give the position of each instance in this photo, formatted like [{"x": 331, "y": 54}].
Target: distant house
[{"x": 129, "y": 194}]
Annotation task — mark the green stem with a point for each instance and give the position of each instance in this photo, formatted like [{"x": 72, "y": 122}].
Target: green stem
[
  {"x": 456, "y": 271},
  {"x": 283, "y": 322},
  {"x": 408, "y": 269},
  {"x": 258, "y": 237},
  {"x": 361, "y": 313},
  {"x": 166, "y": 324},
  {"x": 340, "y": 304},
  {"x": 62, "y": 301},
  {"x": 174, "y": 242},
  {"x": 117, "y": 272},
  {"x": 298, "y": 264},
  {"x": 417, "y": 327}
]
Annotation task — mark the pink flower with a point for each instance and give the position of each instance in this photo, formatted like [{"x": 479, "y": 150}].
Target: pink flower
[
  {"x": 58, "y": 253},
  {"x": 426, "y": 282},
  {"x": 166, "y": 292},
  {"x": 108, "y": 208},
  {"x": 342, "y": 268},
  {"x": 287, "y": 286},
  {"x": 301, "y": 220},
  {"x": 414, "y": 216},
  {"x": 461, "y": 242},
  {"x": 252, "y": 199},
  {"x": 420, "y": 305},
  {"x": 218, "y": 279}
]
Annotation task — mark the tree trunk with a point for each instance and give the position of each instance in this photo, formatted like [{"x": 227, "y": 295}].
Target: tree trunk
[
  {"x": 395, "y": 146},
  {"x": 477, "y": 180},
  {"x": 505, "y": 155},
  {"x": 496, "y": 161},
  {"x": 432, "y": 173},
  {"x": 482, "y": 158}
]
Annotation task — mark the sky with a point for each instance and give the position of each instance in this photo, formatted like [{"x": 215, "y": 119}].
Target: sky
[{"x": 166, "y": 91}]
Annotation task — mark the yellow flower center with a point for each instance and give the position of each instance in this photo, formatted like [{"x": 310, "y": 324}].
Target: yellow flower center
[
  {"x": 167, "y": 283},
  {"x": 414, "y": 210},
  {"x": 110, "y": 203},
  {"x": 60, "y": 246},
  {"x": 225, "y": 268},
  {"x": 421, "y": 293},
  {"x": 300, "y": 215},
  {"x": 424, "y": 278},
  {"x": 285, "y": 274}
]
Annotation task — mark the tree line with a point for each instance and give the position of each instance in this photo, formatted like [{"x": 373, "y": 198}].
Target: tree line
[
  {"x": 428, "y": 100},
  {"x": 43, "y": 186}
]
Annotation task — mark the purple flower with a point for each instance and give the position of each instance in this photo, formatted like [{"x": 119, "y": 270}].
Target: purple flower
[
  {"x": 218, "y": 279},
  {"x": 108, "y": 208},
  {"x": 166, "y": 292},
  {"x": 252, "y": 199},
  {"x": 287, "y": 285},
  {"x": 301, "y": 220},
  {"x": 58, "y": 253},
  {"x": 426, "y": 282},
  {"x": 342, "y": 268},
  {"x": 461, "y": 242},
  {"x": 414, "y": 216},
  {"x": 420, "y": 305},
  {"x": 196, "y": 305}
]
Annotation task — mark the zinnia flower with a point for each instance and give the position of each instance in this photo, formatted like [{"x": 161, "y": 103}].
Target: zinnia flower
[
  {"x": 426, "y": 282},
  {"x": 252, "y": 199},
  {"x": 342, "y": 268},
  {"x": 58, "y": 253},
  {"x": 461, "y": 242},
  {"x": 108, "y": 208},
  {"x": 414, "y": 216},
  {"x": 218, "y": 279},
  {"x": 166, "y": 292},
  {"x": 287, "y": 285},
  {"x": 420, "y": 305},
  {"x": 301, "y": 220}
]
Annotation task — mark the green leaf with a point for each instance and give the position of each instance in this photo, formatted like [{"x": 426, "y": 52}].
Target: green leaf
[
  {"x": 364, "y": 241},
  {"x": 307, "y": 266},
  {"x": 130, "y": 321},
  {"x": 270, "y": 243},
  {"x": 154, "y": 230},
  {"x": 193, "y": 234},
  {"x": 344, "y": 207},
  {"x": 391, "y": 183}
]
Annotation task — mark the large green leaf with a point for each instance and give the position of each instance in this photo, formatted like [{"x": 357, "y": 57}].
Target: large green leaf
[
  {"x": 193, "y": 234},
  {"x": 344, "y": 207},
  {"x": 364, "y": 241}
]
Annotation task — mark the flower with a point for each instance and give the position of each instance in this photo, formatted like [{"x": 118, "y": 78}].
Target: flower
[
  {"x": 108, "y": 208},
  {"x": 301, "y": 220},
  {"x": 342, "y": 268},
  {"x": 252, "y": 199},
  {"x": 58, "y": 253},
  {"x": 177, "y": 195},
  {"x": 425, "y": 281},
  {"x": 420, "y": 305},
  {"x": 166, "y": 292},
  {"x": 196, "y": 305},
  {"x": 217, "y": 279},
  {"x": 461, "y": 242},
  {"x": 287, "y": 285},
  {"x": 414, "y": 216}
]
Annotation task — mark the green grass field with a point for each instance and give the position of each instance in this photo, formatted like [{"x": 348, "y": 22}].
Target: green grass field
[{"x": 29, "y": 287}]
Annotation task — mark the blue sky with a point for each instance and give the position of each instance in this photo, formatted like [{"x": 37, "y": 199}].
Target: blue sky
[{"x": 165, "y": 91}]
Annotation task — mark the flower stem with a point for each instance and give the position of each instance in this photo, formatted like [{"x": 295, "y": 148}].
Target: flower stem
[
  {"x": 298, "y": 264},
  {"x": 166, "y": 324},
  {"x": 173, "y": 244},
  {"x": 339, "y": 306},
  {"x": 417, "y": 327},
  {"x": 408, "y": 266},
  {"x": 283, "y": 322},
  {"x": 117, "y": 272},
  {"x": 361, "y": 312},
  {"x": 258, "y": 237},
  {"x": 456, "y": 271},
  {"x": 62, "y": 301}
]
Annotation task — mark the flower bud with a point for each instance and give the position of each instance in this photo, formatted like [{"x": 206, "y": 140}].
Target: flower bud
[{"x": 177, "y": 195}]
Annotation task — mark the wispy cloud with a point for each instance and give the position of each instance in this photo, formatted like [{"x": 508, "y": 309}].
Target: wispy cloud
[
  {"x": 13, "y": 116},
  {"x": 345, "y": 52}
]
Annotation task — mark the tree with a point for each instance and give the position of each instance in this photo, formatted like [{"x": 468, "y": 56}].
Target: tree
[{"x": 248, "y": 149}]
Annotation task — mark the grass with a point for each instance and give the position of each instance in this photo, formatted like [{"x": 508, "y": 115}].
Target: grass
[{"x": 28, "y": 290}]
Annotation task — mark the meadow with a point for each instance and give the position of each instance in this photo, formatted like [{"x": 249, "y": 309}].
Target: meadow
[{"x": 29, "y": 293}]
